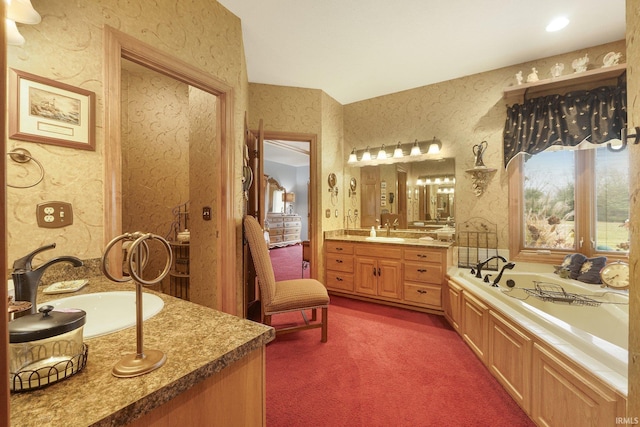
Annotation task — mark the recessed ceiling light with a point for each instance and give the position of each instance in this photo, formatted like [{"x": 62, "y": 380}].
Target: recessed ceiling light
[{"x": 557, "y": 24}]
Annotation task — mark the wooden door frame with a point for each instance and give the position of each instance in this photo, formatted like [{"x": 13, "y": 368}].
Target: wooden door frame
[
  {"x": 119, "y": 45},
  {"x": 315, "y": 229}
]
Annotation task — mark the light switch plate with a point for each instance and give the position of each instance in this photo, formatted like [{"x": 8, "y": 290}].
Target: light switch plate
[{"x": 54, "y": 214}]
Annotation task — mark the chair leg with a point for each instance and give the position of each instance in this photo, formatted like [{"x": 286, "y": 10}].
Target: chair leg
[
  {"x": 325, "y": 313},
  {"x": 314, "y": 314}
]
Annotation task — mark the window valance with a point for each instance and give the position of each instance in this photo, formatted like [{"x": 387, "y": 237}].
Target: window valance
[{"x": 539, "y": 123}]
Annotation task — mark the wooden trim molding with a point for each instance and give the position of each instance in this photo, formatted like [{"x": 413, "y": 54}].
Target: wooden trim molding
[
  {"x": 118, "y": 45},
  {"x": 4, "y": 332}
]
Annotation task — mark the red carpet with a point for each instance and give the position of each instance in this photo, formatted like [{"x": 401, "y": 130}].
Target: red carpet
[
  {"x": 382, "y": 366},
  {"x": 287, "y": 262}
]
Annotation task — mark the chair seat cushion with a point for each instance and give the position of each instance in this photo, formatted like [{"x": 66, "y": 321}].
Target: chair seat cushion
[{"x": 297, "y": 294}]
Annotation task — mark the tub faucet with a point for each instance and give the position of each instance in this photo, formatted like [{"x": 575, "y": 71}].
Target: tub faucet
[
  {"x": 26, "y": 279},
  {"x": 483, "y": 263},
  {"x": 508, "y": 266}
]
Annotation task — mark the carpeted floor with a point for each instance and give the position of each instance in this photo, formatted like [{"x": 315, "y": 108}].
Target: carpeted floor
[
  {"x": 381, "y": 366},
  {"x": 287, "y": 262}
]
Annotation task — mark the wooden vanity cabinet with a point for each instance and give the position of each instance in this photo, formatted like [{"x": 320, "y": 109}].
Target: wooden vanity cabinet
[
  {"x": 378, "y": 271},
  {"x": 424, "y": 271},
  {"x": 451, "y": 302},
  {"x": 339, "y": 266},
  {"x": 401, "y": 275}
]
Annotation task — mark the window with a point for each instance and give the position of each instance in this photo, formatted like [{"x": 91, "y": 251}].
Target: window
[{"x": 569, "y": 201}]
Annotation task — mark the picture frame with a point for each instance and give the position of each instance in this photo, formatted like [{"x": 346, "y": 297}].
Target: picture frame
[{"x": 50, "y": 112}]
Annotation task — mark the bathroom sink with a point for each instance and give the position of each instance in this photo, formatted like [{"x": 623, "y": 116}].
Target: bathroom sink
[
  {"x": 109, "y": 312},
  {"x": 384, "y": 239}
]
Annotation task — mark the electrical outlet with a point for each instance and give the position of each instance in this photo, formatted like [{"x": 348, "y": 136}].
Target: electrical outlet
[{"x": 54, "y": 214}]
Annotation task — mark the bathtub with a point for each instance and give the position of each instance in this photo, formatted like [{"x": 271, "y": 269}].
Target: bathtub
[{"x": 595, "y": 337}]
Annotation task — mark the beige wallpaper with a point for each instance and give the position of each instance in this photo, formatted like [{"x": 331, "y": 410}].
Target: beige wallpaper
[
  {"x": 67, "y": 46},
  {"x": 155, "y": 156},
  {"x": 461, "y": 112},
  {"x": 633, "y": 89}
]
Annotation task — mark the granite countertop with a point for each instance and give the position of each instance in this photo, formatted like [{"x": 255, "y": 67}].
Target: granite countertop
[
  {"x": 197, "y": 341},
  {"x": 408, "y": 241}
]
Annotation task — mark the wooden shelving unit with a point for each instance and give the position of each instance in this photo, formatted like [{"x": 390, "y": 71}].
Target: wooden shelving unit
[
  {"x": 592, "y": 78},
  {"x": 179, "y": 273}
]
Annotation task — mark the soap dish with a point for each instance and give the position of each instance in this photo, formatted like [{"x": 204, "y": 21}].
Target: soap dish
[{"x": 66, "y": 286}]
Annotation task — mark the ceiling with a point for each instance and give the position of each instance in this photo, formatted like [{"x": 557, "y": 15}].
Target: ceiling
[
  {"x": 290, "y": 153},
  {"x": 355, "y": 50}
]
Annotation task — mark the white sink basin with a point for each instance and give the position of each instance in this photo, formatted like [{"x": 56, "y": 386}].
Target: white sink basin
[
  {"x": 384, "y": 239},
  {"x": 108, "y": 312}
]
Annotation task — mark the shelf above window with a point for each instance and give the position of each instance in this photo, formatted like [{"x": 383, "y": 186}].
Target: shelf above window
[{"x": 591, "y": 78}]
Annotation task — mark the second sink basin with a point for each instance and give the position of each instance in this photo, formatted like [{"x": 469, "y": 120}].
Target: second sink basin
[
  {"x": 384, "y": 239},
  {"x": 109, "y": 312}
]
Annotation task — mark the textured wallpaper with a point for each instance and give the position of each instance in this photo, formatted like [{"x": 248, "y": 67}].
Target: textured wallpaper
[
  {"x": 461, "y": 113},
  {"x": 67, "y": 46},
  {"x": 633, "y": 89}
]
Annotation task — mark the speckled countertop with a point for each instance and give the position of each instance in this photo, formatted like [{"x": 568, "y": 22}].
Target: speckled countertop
[
  {"x": 198, "y": 342},
  {"x": 410, "y": 238}
]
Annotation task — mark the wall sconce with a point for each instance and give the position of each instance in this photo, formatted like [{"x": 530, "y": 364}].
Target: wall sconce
[
  {"x": 382, "y": 154},
  {"x": 20, "y": 11},
  {"x": 434, "y": 147},
  {"x": 397, "y": 153}
]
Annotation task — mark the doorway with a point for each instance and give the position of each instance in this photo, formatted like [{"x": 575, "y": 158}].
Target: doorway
[{"x": 210, "y": 234}]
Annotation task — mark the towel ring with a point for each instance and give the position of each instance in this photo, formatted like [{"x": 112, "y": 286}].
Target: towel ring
[
  {"x": 138, "y": 238},
  {"x": 22, "y": 155}
]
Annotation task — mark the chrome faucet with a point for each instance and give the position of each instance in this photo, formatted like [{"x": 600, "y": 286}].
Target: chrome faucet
[
  {"x": 388, "y": 227},
  {"x": 483, "y": 263},
  {"x": 26, "y": 279}
]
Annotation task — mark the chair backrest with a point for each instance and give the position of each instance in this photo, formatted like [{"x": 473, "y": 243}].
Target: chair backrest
[{"x": 261, "y": 259}]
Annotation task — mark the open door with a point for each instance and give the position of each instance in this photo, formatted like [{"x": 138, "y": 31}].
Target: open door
[{"x": 253, "y": 175}]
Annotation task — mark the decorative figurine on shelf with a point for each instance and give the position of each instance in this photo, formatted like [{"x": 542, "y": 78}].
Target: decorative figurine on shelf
[
  {"x": 556, "y": 70},
  {"x": 519, "y": 77},
  {"x": 580, "y": 65},
  {"x": 611, "y": 58},
  {"x": 533, "y": 77},
  {"x": 478, "y": 151}
]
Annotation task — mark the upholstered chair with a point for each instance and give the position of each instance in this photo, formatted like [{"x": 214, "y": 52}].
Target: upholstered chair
[{"x": 286, "y": 295}]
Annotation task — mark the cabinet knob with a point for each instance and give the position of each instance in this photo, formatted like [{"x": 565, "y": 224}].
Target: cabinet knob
[
  {"x": 339, "y": 261},
  {"x": 374, "y": 271},
  {"x": 422, "y": 256},
  {"x": 339, "y": 279},
  {"x": 422, "y": 270},
  {"x": 422, "y": 291}
]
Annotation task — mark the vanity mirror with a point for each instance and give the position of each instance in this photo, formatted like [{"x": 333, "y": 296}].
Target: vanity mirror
[
  {"x": 274, "y": 195},
  {"x": 421, "y": 194}
]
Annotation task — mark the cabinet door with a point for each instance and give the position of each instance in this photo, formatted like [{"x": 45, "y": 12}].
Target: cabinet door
[
  {"x": 366, "y": 276},
  {"x": 452, "y": 302},
  {"x": 389, "y": 279},
  {"x": 562, "y": 395},
  {"x": 509, "y": 351},
  {"x": 475, "y": 325}
]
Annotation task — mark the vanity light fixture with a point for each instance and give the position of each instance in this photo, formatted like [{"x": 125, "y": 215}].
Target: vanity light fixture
[
  {"x": 20, "y": 11},
  {"x": 434, "y": 147},
  {"x": 352, "y": 157},
  {"x": 366, "y": 156},
  {"x": 382, "y": 154},
  {"x": 415, "y": 150},
  {"x": 397, "y": 153}
]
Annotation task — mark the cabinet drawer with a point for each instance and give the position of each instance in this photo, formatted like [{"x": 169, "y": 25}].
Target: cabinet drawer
[
  {"x": 339, "y": 262},
  {"x": 288, "y": 219},
  {"x": 423, "y": 294},
  {"x": 339, "y": 247},
  {"x": 290, "y": 237},
  {"x": 379, "y": 251},
  {"x": 426, "y": 273},
  {"x": 275, "y": 231},
  {"x": 291, "y": 224},
  {"x": 275, "y": 239},
  {"x": 424, "y": 255},
  {"x": 340, "y": 281},
  {"x": 291, "y": 230}
]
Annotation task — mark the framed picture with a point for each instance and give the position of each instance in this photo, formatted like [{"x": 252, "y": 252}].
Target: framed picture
[{"x": 50, "y": 112}]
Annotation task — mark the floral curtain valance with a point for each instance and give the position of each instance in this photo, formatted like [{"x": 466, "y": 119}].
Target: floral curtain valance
[{"x": 539, "y": 123}]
